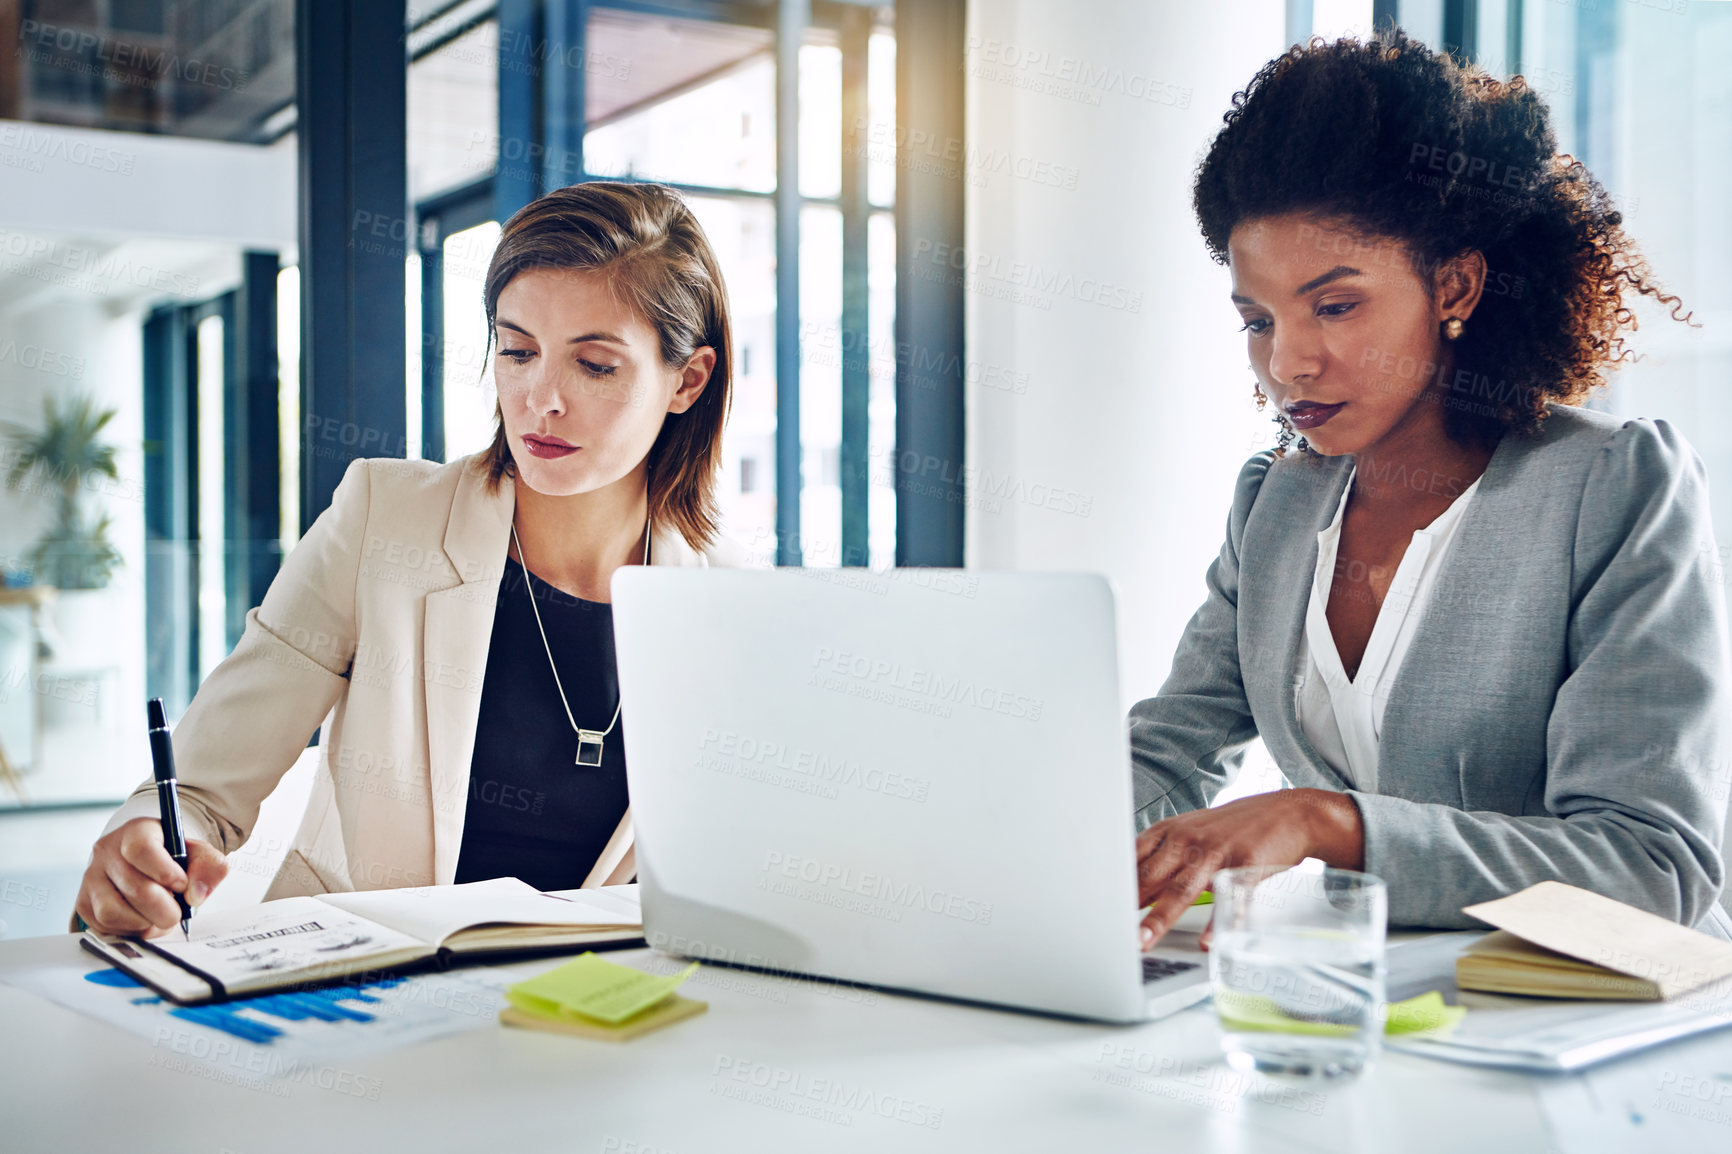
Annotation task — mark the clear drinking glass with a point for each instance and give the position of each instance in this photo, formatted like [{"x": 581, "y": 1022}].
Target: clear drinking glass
[{"x": 1297, "y": 968}]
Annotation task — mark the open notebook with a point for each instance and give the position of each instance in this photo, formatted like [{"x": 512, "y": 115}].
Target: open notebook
[{"x": 300, "y": 941}]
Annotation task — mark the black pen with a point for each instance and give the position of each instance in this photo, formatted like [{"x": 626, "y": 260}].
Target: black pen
[{"x": 168, "y": 801}]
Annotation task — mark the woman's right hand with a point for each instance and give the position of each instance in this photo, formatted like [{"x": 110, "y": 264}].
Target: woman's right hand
[{"x": 130, "y": 884}]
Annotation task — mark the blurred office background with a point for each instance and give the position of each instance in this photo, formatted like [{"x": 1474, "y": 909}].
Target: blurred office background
[{"x": 242, "y": 242}]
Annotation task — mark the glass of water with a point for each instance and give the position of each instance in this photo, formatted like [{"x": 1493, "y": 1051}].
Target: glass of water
[{"x": 1297, "y": 968}]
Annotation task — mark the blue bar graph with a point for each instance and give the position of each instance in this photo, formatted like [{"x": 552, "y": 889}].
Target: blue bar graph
[{"x": 322, "y": 1005}]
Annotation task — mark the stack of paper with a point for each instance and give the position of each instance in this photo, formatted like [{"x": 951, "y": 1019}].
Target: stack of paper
[
  {"x": 1549, "y": 1033},
  {"x": 594, "y": 998}
]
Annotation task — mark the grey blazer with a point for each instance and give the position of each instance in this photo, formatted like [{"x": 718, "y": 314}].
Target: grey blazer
[{"x": 1562, "y": 712}]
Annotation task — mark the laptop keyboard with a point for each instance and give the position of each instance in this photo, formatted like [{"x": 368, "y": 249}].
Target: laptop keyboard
[{"x": 1154, "y": 969}]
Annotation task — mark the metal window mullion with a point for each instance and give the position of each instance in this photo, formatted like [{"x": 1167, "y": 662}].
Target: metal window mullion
[
  {"x": 456, "y": 209},
  {"x": 517, "y": 182},
  {"x": 433, "y": 345},
  {"x": 929, "y": 460},
  {"x": 170, "y": 485},
  {"x": 255, "y": 461},
  {"x": 231, "y": 549},
  {"x": 563, "y": 92},
  {"x": 188, "y": 427},
  {"x": 351, "y": 96},
  {"x": 1461, "y": 28},
  {"x": 1513, "y": 36},
  {"x": 792, "y": 16},
  {"x": 856, "y": 361}
]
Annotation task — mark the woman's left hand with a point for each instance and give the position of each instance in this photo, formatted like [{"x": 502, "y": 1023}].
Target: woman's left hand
[{"x": 1177, "y": 857}]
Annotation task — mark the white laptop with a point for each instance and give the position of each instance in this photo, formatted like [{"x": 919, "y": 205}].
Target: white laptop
[{"x": 917, "y": 779}]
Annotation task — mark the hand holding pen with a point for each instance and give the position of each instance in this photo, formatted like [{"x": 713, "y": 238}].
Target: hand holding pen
[{"x": 137, "y": 882}]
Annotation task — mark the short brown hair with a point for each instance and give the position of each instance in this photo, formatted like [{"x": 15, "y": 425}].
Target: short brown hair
[{"x": 655, "y": 254}]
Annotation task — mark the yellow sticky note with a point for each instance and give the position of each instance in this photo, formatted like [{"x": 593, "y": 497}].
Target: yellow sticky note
[
  {"x": 1426, "y": 1014},
  {"x": 596, "y": 989}
]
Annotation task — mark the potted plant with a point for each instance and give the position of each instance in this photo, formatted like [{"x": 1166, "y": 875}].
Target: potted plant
[{"x": 59, "y": 461}]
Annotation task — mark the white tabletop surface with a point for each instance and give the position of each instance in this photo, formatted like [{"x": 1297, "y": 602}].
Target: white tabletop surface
[{"x": 989, "y": 1079}]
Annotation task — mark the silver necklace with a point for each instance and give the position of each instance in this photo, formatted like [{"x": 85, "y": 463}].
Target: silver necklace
[{"x": 589, "y": 741}]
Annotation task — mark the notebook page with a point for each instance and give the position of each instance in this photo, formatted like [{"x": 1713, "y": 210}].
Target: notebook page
[
  {"x": 434, "y": 913},
  {"x": 293, "y": 939},
  {"x": 619, "y": 902}
]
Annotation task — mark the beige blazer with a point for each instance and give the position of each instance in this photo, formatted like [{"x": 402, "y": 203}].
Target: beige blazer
[{"x": 375, "y": 633}]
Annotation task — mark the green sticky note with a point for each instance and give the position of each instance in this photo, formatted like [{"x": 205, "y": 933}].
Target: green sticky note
[
  {"x": 1426, "y": 1014},
  {"x": 1204, "y": 899},
  {"x": 594, "y": 989},
  {"x": 1241, "y": 1011}
]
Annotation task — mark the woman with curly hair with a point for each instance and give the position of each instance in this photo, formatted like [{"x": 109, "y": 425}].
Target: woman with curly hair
[{"x": 1469, "y": 618}]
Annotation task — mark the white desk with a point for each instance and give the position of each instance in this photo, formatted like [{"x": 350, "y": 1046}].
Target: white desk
[{"x": 993, "y": 1080}]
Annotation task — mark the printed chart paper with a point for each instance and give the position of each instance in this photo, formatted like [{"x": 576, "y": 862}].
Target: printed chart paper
[{"x": 279, "y": 1035}]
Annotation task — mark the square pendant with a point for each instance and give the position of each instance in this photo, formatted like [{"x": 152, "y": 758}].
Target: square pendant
[{"x": 589, "y": 747}]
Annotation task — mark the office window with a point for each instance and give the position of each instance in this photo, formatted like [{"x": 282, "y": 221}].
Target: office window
[
  {"x": 453, "y": 110},
  {"x": 742, "y": 230},
  {"x": 820, "y": 114},
  {"x": 1331, "y": 19},
  {"x": 217, "y": 71},
  {"x": 210, "y": 379},
  {"x": 689, "y": 102},
  {"x": 881, "y": 405},
  {"x": 412, "y": 367},
  {"x": 822, "y": 357},
  {"x": 692, "y": 103},
  {"x": 470, "y": 398},
  {"x": 289, "y": 402},
  {"x": 684, "y": 101}
]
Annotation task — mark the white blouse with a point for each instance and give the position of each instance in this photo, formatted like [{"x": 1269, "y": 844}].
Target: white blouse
[{"x": 1343, "y": 719}]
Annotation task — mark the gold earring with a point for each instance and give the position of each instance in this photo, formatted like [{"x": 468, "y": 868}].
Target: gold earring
[{"x": 1452, "y": 328}]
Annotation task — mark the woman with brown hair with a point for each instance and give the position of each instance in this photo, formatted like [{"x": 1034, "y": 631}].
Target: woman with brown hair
[{"x": 447, "y": 628}]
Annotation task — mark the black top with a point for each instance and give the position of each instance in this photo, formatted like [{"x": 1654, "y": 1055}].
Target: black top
[{"x": 532, "y": 813}]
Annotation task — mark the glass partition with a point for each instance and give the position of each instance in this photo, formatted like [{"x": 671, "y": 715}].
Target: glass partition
[{"x": 218, "y": 69}]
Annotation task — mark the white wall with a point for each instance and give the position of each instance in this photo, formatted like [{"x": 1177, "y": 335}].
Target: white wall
[
  {"x": 92, "y": 182},
  {"x": 1144, "y": 413},
  {"x": 1669, "y": 167}
]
